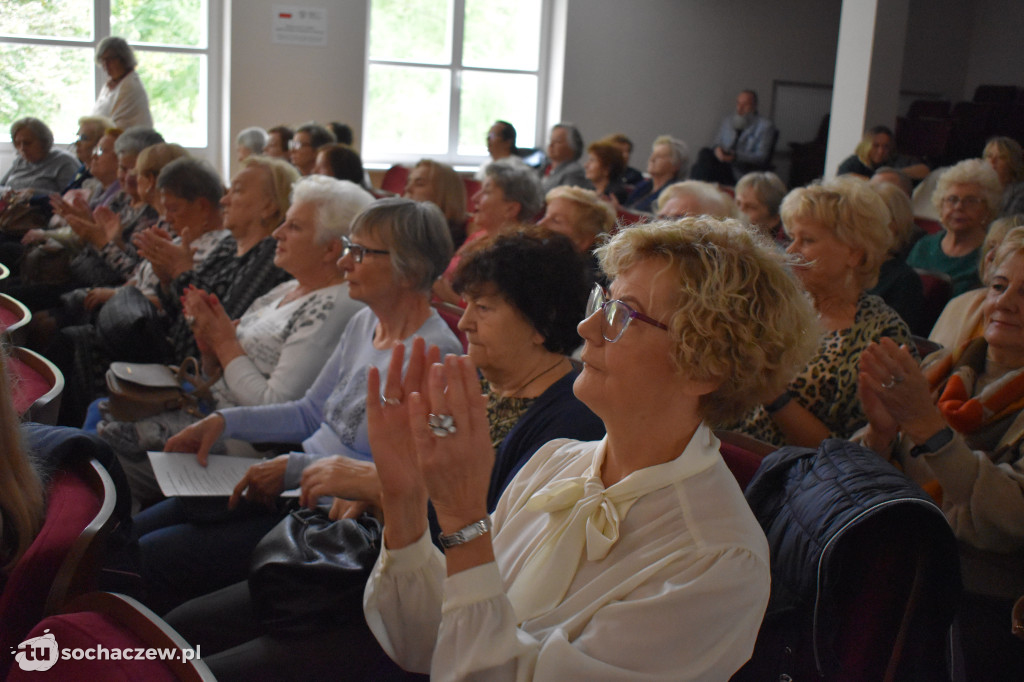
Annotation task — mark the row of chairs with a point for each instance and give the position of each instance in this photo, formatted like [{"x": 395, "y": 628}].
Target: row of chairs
[
  {"x": 39, "y": 383},
  {"x": 52, "y": 593},
  {"x": 395, "y": 178}
]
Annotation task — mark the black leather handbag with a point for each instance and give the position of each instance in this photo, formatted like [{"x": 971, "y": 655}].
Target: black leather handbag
[{"x": 309, "y": 572}]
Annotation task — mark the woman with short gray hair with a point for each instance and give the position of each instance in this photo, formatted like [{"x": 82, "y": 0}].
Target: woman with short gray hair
[
  {"x": 37, "y": 166},
  {"x": 669, "y": 162},
  {"x": 250, "y": 141},
  {"x": 510, "y": 196},
  {"x": 123, "y": 97}
]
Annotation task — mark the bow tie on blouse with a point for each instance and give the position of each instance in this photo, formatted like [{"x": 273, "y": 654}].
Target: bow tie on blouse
[{"x": 582, "y": 514}]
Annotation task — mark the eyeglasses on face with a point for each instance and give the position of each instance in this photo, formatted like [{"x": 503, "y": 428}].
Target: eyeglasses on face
[
  {"x": 358, "y": 251},
  {"x": 616, "y": 315},
  {"x": 295, "y": 145},
  {"x": 953, "y": 201}
]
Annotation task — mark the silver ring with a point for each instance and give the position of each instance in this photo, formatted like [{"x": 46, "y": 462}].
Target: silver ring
[
  {"x": 441, "y": 424},
  {"x": 393, "y": 402},
  {"x": 190, "y": 320},
  {"x": 892, "y": 382}
]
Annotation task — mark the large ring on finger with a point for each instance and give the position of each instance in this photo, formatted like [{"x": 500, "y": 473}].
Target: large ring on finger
[
  {"x": 190, "y": 320},
  {"x": 891, "y": 382},
  {"x": 441, "y": 424},
  {"x": 393, "y": 402}
]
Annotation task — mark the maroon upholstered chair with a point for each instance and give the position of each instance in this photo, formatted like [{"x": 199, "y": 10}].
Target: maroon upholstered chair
[
  {"x": 64, "y": 559},
  {"x": 742, "y": 454},
  {"x": 14, "y": 317},
  {"x": 394, "y": 179},
  {"x": 113, "y": 621},
  {"x": 938, "y": 289}
]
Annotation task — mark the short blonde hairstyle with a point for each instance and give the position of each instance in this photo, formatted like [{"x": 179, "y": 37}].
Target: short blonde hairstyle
[
  {"x": 22, "y": 505},
  {"x": 713, "y": 201},
  {"x": 596, "y": 217},
  {"x": 1012, "y": 244},
  {"x": 853, "y": 212},
  {"x": 901, "y": 212},
  {"x": 997, "y": 231},
  {"x": 153, "y": 158},
  {"x": 740, "y": 317},
  {"x": 280, "y": 177},
  {"x": 971, "y": 172}
]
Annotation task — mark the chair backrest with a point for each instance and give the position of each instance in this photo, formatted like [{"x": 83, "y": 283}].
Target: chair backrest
[
  {"x": 996, "y": 93},
  {"x": 928, "y": 225},
  {"x": 923, "y": 137},
  {"x": 14, "y": 317},
  {"x": 938, "y": 289},
  {"x": 929, "y": 108},
  {"x": 44, "y": 407},
  {"x": 4, "y": 271},
  {"x": 394, "y": 179},
  {"x": 742, "y": 454},
  {"x": 451, "y": 314},
  {"x": 472, "y": 187},
  {"x": 115, "y": 621},
  {"x": 64, "y": 559}
]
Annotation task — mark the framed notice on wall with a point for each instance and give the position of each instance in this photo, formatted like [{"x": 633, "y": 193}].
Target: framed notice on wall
[{"x": 299, "y": 25}]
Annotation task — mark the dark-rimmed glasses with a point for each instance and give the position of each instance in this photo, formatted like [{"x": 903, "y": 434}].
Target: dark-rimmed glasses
[
  {"x": 616, "y": 314},
  {"x": 358, "y": 251}
]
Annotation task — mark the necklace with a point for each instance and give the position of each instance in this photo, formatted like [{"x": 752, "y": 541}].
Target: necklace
[{"x": 535, "y": 377}]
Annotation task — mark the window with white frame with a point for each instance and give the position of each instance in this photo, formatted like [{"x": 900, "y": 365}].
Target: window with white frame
[
  {"x": 440, "y": 72},
  {"x": 48, "y": 68}
]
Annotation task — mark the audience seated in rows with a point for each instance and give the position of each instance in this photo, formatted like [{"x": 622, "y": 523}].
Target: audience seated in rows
[
  {"x": 274, "y": 352},
  {"x": 396, "y": 250},
  {"x": 840, "y": 237},
  {"x": 520, "y": 335},
  {"x": 38, "y": 166}
]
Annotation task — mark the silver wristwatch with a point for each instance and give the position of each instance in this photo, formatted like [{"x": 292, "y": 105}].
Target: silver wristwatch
[{"x": 464, "y": 535}]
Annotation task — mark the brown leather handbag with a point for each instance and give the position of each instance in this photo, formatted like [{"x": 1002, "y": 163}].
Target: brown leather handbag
[{"x": 139, "y": 390}]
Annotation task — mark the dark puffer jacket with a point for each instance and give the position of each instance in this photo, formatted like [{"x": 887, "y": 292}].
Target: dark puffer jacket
[{"x": 865, "y": 572}]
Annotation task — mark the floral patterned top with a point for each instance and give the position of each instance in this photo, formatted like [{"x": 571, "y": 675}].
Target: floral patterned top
[{"x": 827, "y": 387}]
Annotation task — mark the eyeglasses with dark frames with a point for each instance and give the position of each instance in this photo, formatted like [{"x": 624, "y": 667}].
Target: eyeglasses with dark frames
[
  {"x": 616, "y": 314},
  {"x": 358, "y": 251}
]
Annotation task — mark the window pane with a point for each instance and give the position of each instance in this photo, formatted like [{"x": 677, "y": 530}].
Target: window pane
[
  {"x": 53, "y": 84},
  {"x": 177, "y": 86},
  {"x": 160, "y": 22},
  {"x": 69, "y": 19},
  {"x": 407, "y": 110},
  {"x": 487, "y": 97},
  {"x": 411, "y": 31},
  {"x": 502, "y": 34}
]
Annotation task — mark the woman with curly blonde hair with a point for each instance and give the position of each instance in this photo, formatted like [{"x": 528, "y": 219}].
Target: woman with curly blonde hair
[
  {"x": 605, "y": 555},
  {"x": 840, "y": 237},
  {"x": 22, "y": 504}
]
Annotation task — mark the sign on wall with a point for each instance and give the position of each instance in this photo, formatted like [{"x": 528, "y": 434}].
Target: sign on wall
[{"x": 299, "y": 25}]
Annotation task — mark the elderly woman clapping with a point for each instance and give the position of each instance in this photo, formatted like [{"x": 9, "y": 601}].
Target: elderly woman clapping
[
  {"x": 840, "y": 233},
  {"x": 601, "y": 557},
  {"x": 955, "y": 424},
  {"x": 271, "y": 355}
]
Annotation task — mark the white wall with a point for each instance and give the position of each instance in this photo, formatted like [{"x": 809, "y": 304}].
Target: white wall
[
  {"x": 649, "y": 67},
  {"x": 273, "y": 84}
]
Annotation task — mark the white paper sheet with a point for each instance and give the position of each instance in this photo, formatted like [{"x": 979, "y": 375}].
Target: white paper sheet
[{"x": 180, "y": 475}]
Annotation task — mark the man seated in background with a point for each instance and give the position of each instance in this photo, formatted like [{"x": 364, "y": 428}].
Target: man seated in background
[
  {"x": 744, "y": 144},
  {"x": 565, "y": 147}
]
